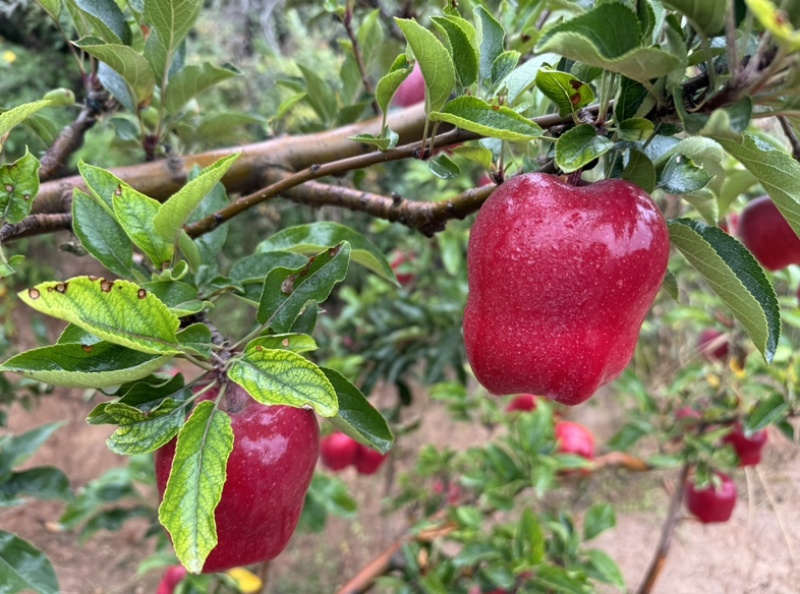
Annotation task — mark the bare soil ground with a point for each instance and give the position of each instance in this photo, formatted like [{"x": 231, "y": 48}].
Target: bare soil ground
[{"x": 750, "y": 554}]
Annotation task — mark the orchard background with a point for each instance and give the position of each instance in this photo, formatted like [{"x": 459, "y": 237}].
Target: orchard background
[{"x": 281, "y": 194}]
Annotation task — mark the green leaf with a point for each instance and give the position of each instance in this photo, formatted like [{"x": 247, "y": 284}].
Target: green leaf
[
  {"x": 609, "y": 37},
  {"x": 579, "y": 146},
  {"x": 16, "y": 449},
  {"x": 640, "y": 171},
  {"x": 117, "y": 311},
  {"x": 274, "y": 376},
  {"x": 464, "y": 45},
  {"x": 9, "y": 267},
  {"x": 475, "y": 115},
  {"x": 320, "y": 96},
  {"x": 42, "y": 482},
  {"x": 732, "y": 273},
  {"x": 297, "y": 343},
  {"x": 84, "y": 366},
  {"x": 191, "y": 81},
  {"x": 557, "y": 579},
  {"x": 707, "y": 16},
  {"x": 18, "y": 114},
  {"x": 126, "y": 62},
  {"x": 774, "y": 169},
  {"x": 434, "y": 61},
  {"x": 599, "y": 518},
  {"x": 179, "y": 297},
  {"x": 565, "y": 90},
  {"x": 357, "y": 417},
  {"x": 100, "y": 233},
  {"x": 195, "y": 484},
  {"x": 524, "y": 76},
  {"x": 24, "y": 568},
  {"x": 529, "y": 539},
  {"x": 174, "y": 213},
  {"x": 172, "y": 20},
  {"x": 107, "y": 20},
  {"x": 315, "y": 237},
  {"x": 493, "y": 40},
  {"x": 389, "y": 83},
  {"x": 52, "y": 7},
  {"x": 630, "y": 97},
  {"x": 19, "y": 184},
  {"x": 286, "y": 291},
  {"x": 135, "y": 213},
  {"x": 142, "y": 432},
  {"x": 681, "y": 176},
  {"x": 766, "y": 412},
  {"x": 196, "y": 338},
  {"x": 604, "y": 568},
  {"x": 443, "y": 167},
  {"x": 635, "y": 129},
  {"x": 503, "y": 65},
  {"x": 103, "y": 185}
]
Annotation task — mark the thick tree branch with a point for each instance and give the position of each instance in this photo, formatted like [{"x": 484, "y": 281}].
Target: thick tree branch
[
  {"x": 36, "y": 225},
  {"x": 71, "y": 138},
  {"x": 160, "y": 179}
]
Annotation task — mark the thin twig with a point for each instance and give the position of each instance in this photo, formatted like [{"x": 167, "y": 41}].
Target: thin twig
[
  {"x": 791, "y": 135},
  {"x": 671, "y": 521},
  {"x": 773, "y": 503},
  {"x": 347, "y": 21},
  {"x": 71, "y": 138}
]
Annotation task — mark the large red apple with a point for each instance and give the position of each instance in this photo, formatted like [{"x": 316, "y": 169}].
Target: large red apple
[
  {"x": 338, "y": 451},
  {"x": 574, "y": 438},
  {"x": 767, "y": 235},
  {"x": 714, "y": 503},
  {"x": 748, "y": 446},
  {"x": 412, "y": 90},
  {"x": 560, "y": 279},
  {"x": 275, "y": 450}
]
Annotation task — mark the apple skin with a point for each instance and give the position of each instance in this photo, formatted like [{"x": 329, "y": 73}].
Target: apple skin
[
  {"x": 719, "y": 350},
  {"x": 711, "y": 505},
  {"x": 412, "y": 90},
  {"x": 173, "y": 576},
  {"x": 574, "y": 438},
  {"x": 275, "y": 450},
  {"x": 404, "y": 278},
  {"x": 748, "y": 447},
  {"x": 560, "y": 280},
  {"x": 368, "y": 461},
  {"x": 767, "y": 235},
  {"x": 522, "y": 403},
  {"x": 338, "y": 451}
]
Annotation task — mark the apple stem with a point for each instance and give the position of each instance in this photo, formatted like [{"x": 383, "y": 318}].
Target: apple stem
[
  {"x": 263, "y": 575},
  {"x": 670, "y": 523}
]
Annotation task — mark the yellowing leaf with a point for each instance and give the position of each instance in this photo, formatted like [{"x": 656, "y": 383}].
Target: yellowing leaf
[{"x": 246, "y": 581}]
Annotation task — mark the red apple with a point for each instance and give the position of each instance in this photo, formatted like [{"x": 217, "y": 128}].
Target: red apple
[
  {"x": 453, "y": 491},
  {"x": 687, "y": 412},
  {"x": 368, "y": 461},
  {"x": 485, "y": 180},
  {"x": 338, "y": 451},
  {"x": 560, "y": 279},
  {"x": 767, "y": 235},
  {"x": 275, "y": 450},
  {"x": 172, "y": 577},
  {"x": 748, "y": 446},
  {"x": 412, "y": 90},
  {"x": 714, "y": 503},
  {"x": 574, "y": 438},
  {"x": 731, "y": 224},
  {"x": 713, "y": 344},
  {"x": 523, "y": 403},
  {"x": 404, "y": 278}
]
